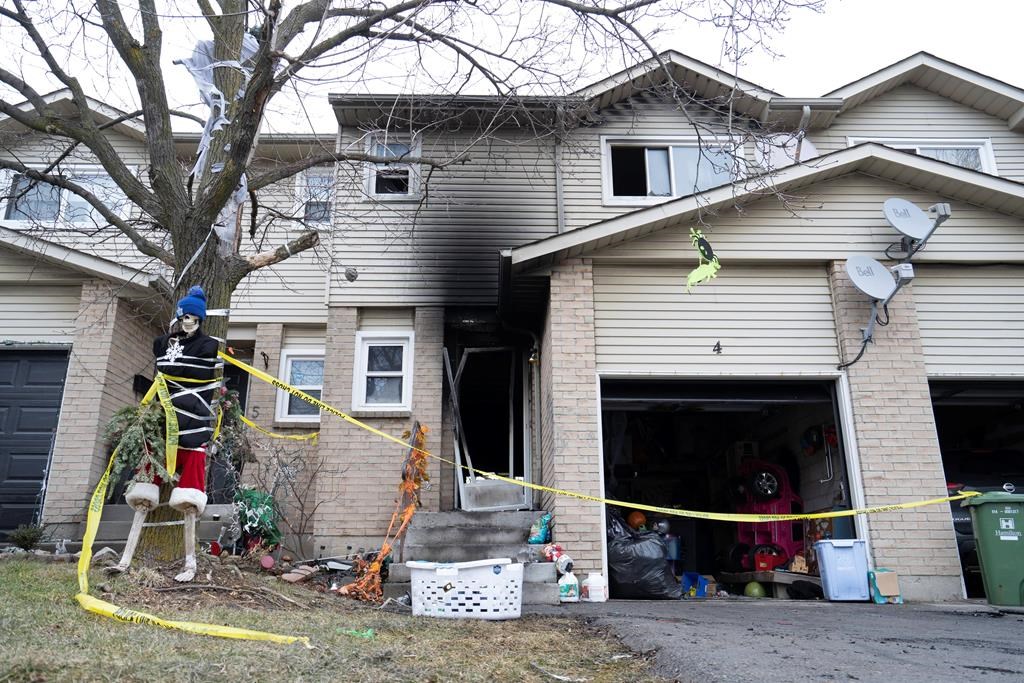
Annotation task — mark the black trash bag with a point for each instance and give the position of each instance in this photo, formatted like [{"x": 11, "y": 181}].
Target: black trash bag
[{"x": 637, "y": 567}]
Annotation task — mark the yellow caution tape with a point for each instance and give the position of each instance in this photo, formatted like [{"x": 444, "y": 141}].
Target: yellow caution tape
[
  {"x": 171, "y": 422},
  {"x": 97, "y": 606},
  {"x": 293, "y": 437},
  {"x": 716, "y": 516}
]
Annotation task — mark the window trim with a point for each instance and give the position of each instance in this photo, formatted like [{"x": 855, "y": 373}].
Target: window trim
[
  {"x": 7, "y": 177},
  {"x": 370, "y": 172},
  {"x": 366, "y": 338},
  {"x": 983, "y": 145},
  {"x": 302, "y": 192},
  {"x": 607, "y": 141},
  {"x": 287, "y": 356}
]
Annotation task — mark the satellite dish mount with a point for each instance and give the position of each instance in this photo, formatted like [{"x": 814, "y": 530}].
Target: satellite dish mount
[
  {"x": 915, "y": 225},
  {"x": 879, "y": 283}
]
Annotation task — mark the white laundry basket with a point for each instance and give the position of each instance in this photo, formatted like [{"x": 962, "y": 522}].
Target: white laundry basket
[{"x": 482, "y": 589}]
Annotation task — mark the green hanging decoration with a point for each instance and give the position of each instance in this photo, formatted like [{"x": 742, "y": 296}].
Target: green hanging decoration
[{"x": 707, "y": 263}]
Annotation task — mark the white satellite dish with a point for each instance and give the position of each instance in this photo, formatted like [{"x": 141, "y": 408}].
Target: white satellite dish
[
  {"x": 871, "y": 277},
  {"x": 907, "y": 218}
]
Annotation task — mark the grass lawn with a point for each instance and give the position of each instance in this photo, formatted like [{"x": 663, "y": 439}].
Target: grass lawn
[{"x": 46, "y": 636}]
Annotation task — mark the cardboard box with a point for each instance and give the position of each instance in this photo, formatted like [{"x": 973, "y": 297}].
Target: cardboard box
[{"x": 885, "y": 587}]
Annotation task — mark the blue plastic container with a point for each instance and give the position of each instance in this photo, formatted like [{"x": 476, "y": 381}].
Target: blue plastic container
[{"x": 844, "y": 569}]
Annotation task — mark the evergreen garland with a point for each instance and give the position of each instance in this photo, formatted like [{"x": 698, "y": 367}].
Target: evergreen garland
[{"x": 138, "y": 434}]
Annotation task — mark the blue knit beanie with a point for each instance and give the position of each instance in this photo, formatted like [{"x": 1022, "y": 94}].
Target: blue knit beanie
[{"x": 194, "y": 302}]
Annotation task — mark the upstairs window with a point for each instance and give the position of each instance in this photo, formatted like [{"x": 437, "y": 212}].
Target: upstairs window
[
  {"x": 39, "y": 202},
  {"x": 975, "y": 155},
  {"x": 395, "y": 178},
  {"x": 644, "y": 171},
  {"x": 316, "y": 195}
]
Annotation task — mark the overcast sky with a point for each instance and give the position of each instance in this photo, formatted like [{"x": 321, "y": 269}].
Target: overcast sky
[{"x": 852, "y": 38}]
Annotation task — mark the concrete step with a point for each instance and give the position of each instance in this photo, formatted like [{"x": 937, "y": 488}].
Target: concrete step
[
  {"x": 466, "y": 552},
  {"x": 116, "y": 522},
  {"x": 454, "y": 535},
  {"x": 533, "y": 593},
  {"x": 533, "y": 572},
  {"x": 461, "y": 518}
]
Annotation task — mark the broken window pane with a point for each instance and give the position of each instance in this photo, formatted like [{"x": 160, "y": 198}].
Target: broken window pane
[
  {"x": 307, "y": 373},
  {"x": 32, "y": 201},
  {"x": 391, "y": 181},
  {"x": 628, "y": 177},
  {"x": 384, "y": 390},
  {"x": 384, "y": 359}
]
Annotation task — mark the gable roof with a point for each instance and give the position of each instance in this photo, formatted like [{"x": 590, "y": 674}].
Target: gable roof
[
  {"x": 61, "y": 100},
  {"x": 137, "y": 281},
  {"x": 944, "y": 78},
  {"x": 947, "y": 180}
]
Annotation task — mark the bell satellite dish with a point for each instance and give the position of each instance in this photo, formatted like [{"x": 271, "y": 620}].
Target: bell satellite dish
[
  {"x": 871, "y": 277},
  {"x": 907, "y": 218}
]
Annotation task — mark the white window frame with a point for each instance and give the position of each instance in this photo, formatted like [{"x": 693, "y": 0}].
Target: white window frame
[
  {"x": 367, "y": 338},
  {"x": 75, "y": 170},
  {"x": 302, "y": 192},
  {"x": 287, "y": 356},
  {"x": 608, "y": 198},
  {"x": 983, "y": 145},
  {"x": 370, "y": 175}
]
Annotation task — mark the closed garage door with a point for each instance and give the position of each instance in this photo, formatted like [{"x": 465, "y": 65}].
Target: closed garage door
[{"x": 31, "y": 384}]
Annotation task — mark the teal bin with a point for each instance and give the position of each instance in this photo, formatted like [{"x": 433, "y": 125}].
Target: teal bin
[{"x": 998, "y": 520}]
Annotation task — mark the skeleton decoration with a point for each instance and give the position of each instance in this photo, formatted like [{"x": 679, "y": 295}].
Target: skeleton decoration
[
  {"x": 184, "y": 355},
  {"x": 707, "y": 263}
]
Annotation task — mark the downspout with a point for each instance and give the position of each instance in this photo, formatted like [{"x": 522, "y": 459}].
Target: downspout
[
  {"x": 559, "y": 187},
  {"x": 801, "y": 130},
  {"x": 330, "y": 247},
  {"x": 504, "y": 294}
]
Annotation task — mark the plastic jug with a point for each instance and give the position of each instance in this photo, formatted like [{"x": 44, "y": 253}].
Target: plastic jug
[
  {"x": 594, "y": 589},
  {"x": 568, "y": 588}
]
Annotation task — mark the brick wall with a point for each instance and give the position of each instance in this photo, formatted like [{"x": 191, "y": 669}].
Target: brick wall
[
  {"x": 112, "y": 343},
  {"x": 569, "y": 414},
  {"x": 357, "y": 495},
  {"x": 896, "y": 438}
]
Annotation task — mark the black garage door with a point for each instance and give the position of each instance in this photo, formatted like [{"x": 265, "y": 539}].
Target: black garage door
[{"x": 31, "y": 384}]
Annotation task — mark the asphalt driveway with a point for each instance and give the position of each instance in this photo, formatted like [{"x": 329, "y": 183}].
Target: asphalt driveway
[{"x": 764, "y": 641}]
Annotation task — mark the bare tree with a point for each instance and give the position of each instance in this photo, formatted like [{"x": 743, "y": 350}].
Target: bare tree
[{"x": 187, "y": 219}]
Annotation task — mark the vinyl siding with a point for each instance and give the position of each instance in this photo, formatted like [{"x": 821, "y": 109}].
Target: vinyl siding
[
  {"x": 22, "y": 269},
  {"x": 641, "y": 116},
  {"x": 443, "y": 250},
  {"x": 291, "y": 291},
  {"x": 769, "y": 320},
  {"x": 386, "y": 318},
  {"x": 830, "y": 221},
  {"x": 911, "y": 112},
  {"x": 304, "y": 337},
  {"x": 38, "y": 313},
  {"x": 971, "y": 320}
]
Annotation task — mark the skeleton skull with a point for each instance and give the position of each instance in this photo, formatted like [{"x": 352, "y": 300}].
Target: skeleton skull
[{"x": 189, "y": 323}]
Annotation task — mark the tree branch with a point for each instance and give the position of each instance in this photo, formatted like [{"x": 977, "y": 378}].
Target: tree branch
[{"x": 306, "y": 240}]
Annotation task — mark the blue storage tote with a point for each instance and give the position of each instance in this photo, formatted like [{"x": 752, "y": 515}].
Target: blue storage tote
[{"x": 843, "y": 564}]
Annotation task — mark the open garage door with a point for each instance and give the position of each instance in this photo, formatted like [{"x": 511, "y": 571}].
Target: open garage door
[
  {"x": 759, "y": 446},
  {"x": 981, "y": 436},
  {"x": 31, "y": 385}
]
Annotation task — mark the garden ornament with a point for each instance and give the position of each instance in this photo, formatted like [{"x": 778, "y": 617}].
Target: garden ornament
[{"x": 707, "y": 263}]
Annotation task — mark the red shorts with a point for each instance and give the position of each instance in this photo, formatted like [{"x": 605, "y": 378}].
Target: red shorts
[{"x": 191, "y": 469}]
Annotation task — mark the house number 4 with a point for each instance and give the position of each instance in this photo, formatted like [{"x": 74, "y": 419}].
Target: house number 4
[{"x": 717, "y": 348}]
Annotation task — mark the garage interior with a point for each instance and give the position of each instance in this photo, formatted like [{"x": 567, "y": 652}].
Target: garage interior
[
  {"x": 980, "y": 426},
  {"x": 761, "y": 446}
]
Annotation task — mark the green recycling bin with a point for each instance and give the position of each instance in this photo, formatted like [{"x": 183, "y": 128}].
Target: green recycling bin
[{"x": 998, "y": 520}]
